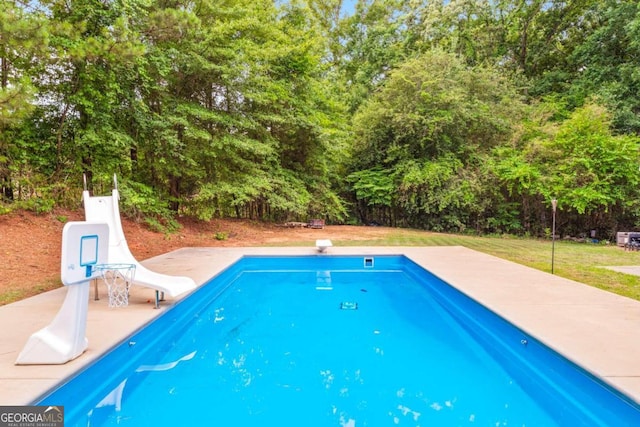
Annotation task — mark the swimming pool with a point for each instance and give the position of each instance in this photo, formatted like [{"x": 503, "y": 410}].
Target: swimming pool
[{"x": 346, "y": 341}]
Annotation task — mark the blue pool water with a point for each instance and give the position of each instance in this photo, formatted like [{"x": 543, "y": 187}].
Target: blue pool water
[{"x": 335, "y": 341}]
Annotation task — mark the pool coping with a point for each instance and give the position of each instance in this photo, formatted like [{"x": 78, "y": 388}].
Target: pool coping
[{"x": 591, "y": 327}]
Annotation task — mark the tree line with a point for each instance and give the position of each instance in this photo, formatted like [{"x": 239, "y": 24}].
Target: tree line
[{"x": 451, "y": 115}]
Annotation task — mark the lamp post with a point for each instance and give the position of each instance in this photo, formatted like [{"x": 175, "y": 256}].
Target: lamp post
[{"x": 554, "y": 205}]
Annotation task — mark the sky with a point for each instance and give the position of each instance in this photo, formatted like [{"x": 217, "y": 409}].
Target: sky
[{"x": 348, "y": 7}]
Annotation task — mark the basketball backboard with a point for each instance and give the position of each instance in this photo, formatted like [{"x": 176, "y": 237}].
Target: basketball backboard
[{"x": 84, "y": 244}]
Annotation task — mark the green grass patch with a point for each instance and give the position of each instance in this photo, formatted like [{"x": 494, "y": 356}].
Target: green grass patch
[
  {"x": 14, "y": 294},
  {"x": 11, "y": 295}
]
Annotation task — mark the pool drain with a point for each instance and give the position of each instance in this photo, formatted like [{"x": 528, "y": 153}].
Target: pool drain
[{"x": 348, "y": 306}]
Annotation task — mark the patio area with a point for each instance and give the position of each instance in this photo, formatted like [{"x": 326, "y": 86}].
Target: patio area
[{"x": 593, "y": 328}]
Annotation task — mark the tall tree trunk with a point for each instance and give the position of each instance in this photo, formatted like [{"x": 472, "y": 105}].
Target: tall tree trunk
[
  {"x": 4, "y": 72},
  {"x": 5, "y": 175},
  {"x": 88, "y": 173},
  {"x": 174, "y": 192},
  {"x": 7, "y": 187}
]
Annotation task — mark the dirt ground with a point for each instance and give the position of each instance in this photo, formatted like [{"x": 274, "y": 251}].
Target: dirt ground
[{"x": 30, "y": 244}]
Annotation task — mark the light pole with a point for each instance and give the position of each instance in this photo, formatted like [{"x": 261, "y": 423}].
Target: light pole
[{"x": 554, "y": 205}]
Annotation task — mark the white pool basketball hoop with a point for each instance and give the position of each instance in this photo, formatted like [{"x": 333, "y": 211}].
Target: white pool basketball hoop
[
  {"x": 84, "y": 245},
  {"x": 118, "y": 278}
]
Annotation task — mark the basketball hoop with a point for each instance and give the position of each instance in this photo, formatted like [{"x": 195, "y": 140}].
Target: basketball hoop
[{"x": 118, "y": 278}]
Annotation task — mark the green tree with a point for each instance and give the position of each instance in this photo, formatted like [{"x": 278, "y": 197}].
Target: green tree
[
  {"x": 83, "y": 86},
  {"x": 605, "y": 63},
  {"x": 579, "y": 161},
  {"x": 469, "y": 28},
  {"x": 432, "y": 126},
  {"x": 242, "y": 120},
  {"x": 592, "y": 172},
  {"x": 23, "y": 39},
  {"x": 373, "y": 37}
]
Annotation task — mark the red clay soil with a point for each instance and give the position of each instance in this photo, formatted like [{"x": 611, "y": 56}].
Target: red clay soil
[{"x": 30, "y": 244}]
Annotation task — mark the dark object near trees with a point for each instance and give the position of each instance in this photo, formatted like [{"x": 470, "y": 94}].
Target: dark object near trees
[
  {"x": 633, "y": 242},
  {"x": 316, "y": 223}
]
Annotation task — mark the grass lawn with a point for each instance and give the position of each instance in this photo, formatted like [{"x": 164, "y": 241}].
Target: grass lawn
[{"x": 582, "y": 262}]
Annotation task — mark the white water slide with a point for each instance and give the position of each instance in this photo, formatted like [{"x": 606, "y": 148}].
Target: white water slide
[{"x": 105, "y": 209}]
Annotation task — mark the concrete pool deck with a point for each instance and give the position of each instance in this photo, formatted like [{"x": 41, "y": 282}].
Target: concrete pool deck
[{"x": 591, "y": 327}]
